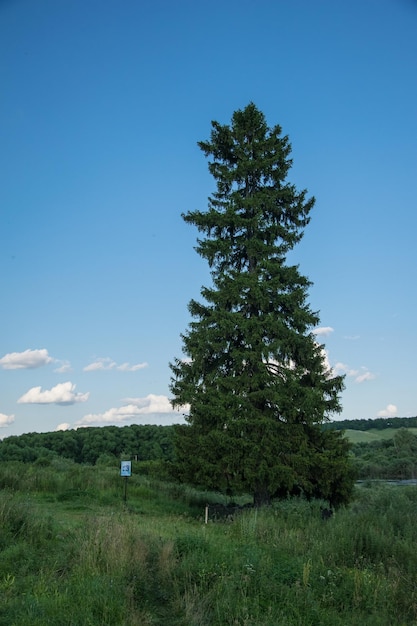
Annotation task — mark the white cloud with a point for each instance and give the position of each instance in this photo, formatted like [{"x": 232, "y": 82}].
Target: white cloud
[
  {"x": 6, "y": 420},
  {"x": 126, "y": 367},
  {"x": 360, "y": 376},
  {"x": 64, "y": 368},
  {"x": 366, "y": 375},
  {"x": 324, "y": 331},
  {"x": 29, "y": 359},
  {"x": 390, "y": 411},
  {"x": 100, "y": 364},
  {"x": 114, "y": 415},
  {"x": 63, "y": 393},
  {"x": 63, "y": 426},
  {"x": 326, "y": 360},
  {"x": 342, "y": 368},
  {"x": 151, "y": 405},
  {"x": 107, "y": 363}
]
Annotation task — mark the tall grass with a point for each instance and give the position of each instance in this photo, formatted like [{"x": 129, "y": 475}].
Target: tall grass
[{"x": 153, "y": 561}]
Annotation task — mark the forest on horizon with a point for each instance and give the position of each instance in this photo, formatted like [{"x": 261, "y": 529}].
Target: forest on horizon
[{"x": 151, "y": 448}]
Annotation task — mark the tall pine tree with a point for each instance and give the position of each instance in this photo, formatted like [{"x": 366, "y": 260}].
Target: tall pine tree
[{"x": 254, "y": 376}]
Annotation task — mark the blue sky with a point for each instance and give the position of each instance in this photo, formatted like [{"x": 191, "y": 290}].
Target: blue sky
[{"x": 102, "y": 104}]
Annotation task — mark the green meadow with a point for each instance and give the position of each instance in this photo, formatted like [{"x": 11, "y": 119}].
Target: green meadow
[
  {"x": 374, "y": 434},
  {"x": 74, "y": 553}
]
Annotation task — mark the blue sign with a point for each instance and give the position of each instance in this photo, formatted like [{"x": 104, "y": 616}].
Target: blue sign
[{"x": 126, "y": 468}]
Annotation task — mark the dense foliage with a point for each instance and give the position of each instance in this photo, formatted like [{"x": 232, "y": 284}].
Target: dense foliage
[
  {"x": 389, "y": 459},
  {"x": 254, "y": 375},
  {"x": 92, "y": 445}
]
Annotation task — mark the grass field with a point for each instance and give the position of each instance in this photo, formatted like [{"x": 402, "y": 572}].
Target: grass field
[
  {"x": 73, "y": 553},
  {"x": 373, "y": 434}
]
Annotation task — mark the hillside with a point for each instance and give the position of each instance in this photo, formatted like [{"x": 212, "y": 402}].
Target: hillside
[{"x": 374, "y": 434}]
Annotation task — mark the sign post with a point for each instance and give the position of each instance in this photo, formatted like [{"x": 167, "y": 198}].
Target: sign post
[{"x": 126, "y": 471}]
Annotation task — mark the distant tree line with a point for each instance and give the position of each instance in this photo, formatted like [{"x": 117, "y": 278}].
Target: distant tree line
[
  {"x": 379, "y": 423},
  {"x": 92, "y": 445},
  {"x": 394, "y": 458}
]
